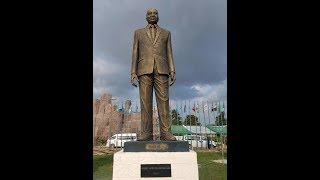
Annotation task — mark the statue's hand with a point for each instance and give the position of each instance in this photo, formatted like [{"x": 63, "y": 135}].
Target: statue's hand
[
  {"x": 173, "y": 78},
  {"x": 133, "y": 78}
]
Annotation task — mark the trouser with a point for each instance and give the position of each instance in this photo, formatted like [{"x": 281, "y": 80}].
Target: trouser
[{"x": 160, "y": 82}]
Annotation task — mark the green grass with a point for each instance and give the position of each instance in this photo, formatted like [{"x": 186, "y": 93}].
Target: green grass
[
  {"x": 209, "y": 169},
  {"x": 102, "y": 166}
]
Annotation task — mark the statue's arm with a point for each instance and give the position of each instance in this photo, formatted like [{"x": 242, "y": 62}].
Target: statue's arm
[
  {"x": 169, "y": 54},
  {"x": 170, "y": 60},
  {"x": 134, "y": 59}
]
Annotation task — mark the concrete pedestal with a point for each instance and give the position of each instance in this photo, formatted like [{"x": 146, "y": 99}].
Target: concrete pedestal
[{"x": 135, "y": 165}]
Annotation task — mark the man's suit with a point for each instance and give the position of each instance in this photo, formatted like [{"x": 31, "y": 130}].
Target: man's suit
[{"x": 152, "y": 61}]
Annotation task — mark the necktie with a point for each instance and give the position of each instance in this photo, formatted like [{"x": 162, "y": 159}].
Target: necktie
[{"x": 152, "y": 32}]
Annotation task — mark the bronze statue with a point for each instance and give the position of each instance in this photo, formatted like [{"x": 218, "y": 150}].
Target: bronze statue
[{"x": 152, "y": 65}]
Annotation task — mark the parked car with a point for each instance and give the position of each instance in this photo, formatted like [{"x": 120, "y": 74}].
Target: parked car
[
  {"x": 199, "y": 141},
  {"x": 211, "y": 143},
  {"x": 118, "y": 140}
]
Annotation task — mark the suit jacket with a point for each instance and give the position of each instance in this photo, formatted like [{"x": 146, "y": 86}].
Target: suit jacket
[{"x": 146, "y": 52}]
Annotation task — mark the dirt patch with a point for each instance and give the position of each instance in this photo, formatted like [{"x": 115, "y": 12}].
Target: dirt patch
[
  {"x": 100, "y": 150},
  {"x": 220, "y": 161}
]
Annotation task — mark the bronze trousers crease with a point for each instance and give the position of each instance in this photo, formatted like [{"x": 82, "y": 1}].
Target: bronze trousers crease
[{"x": 160, "y": 83}]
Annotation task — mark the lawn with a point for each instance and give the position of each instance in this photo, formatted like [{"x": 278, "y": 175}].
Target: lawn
[
  {"x": 209, "y": 169},
  {"x": 102, "y": 166}
]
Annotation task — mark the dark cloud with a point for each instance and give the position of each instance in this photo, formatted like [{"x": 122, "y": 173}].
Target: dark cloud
[{"x": 199, "y": 40}]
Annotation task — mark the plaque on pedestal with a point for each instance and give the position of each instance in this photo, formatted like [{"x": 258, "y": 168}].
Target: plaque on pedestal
[{"x": 156, "y": 146}]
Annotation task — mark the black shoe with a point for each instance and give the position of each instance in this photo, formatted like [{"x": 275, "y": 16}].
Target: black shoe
[{"x": 145, "y": 137}]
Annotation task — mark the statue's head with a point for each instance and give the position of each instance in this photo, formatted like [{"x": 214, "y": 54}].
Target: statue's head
[{"x": 152, "y": 16}]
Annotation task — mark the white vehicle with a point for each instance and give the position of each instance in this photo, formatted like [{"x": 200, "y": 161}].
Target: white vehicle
[
  {"x": 118, "y": 140},
  {"x": 198, "y": 141},
  {"x": 212, "y": 144}
]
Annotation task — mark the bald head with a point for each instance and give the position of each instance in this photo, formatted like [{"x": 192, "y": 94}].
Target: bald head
[{"x": 152, "y": 16}]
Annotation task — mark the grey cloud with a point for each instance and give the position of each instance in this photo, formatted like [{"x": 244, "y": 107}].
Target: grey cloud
[{"x": 199, "y": 40}]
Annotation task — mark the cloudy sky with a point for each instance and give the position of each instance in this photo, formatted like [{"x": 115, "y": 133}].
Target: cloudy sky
[{"x": 199, "y": 44}]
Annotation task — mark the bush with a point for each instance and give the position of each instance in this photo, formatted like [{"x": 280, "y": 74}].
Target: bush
[{"x": 101, "y": 141}]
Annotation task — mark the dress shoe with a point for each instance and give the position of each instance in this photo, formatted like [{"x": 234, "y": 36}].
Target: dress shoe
[
  {"x": 167, "y": 137},
  {"x": 145, "y": 137}
]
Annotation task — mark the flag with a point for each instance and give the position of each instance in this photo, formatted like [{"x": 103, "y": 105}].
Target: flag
[
  {"x": 121, "y": 107},
  {"x": 195, "y": 108},
  {"x": 205, "y": 107},
  {"x": 212, "y": 107},
  {"x": 223, "y": 106},
  {"x": 215, "y": 106}
]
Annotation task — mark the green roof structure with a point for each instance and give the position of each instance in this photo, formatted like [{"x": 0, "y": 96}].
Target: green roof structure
[
  {"x": 219, "y": 129},
  {"x": 179, "y": 130}
]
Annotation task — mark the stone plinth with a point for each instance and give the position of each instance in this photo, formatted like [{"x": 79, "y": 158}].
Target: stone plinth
[
  {"x": 155, "y": 160},
  {"x": 155, "y": 165}
]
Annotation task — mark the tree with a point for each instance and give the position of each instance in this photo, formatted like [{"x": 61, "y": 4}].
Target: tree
[
  {"x": 221, "y": 120},
  {"x": 176, "y": 118},
  {"x": 193, "y": 119}
]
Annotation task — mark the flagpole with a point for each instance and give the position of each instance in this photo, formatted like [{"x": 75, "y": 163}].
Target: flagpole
[
  {"x": 204, "y": 120},
  {"x": 221, "y": 134},
  {"x": 179, "y": 121},
  {"x": 190, "y": 124},
  {"x": 196, "y": 124},
  {"x": 200, "y": 132},
  {"x": 198, "y": 111},
  {"x": 177, "y": 112},
  {"x": 130, "y": 124},
  {"x": 119, "y": 129},
  {"x": 209, "y": 124},
  {"x": 217, "y": 124},
  {"x": 220, "y": 115}
]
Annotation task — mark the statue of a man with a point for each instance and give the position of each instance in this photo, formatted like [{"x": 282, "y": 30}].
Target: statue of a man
[{"x": 152, "y": 66}]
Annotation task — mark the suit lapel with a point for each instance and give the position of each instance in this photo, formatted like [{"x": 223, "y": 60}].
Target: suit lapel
[
  {"x": 157, "y": 35},
  {"x": 148, "y": 33}
]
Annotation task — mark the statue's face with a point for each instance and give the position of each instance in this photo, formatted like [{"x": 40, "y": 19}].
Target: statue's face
[{"x": 152, "y": 16}]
